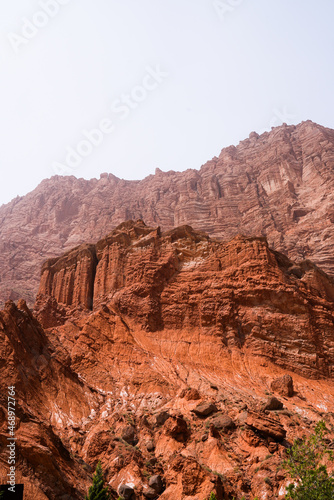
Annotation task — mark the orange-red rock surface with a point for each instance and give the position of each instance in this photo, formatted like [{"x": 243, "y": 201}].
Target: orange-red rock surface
[
  {"x": 279, "y": 185},
  {"x": 160, "y": 354},
  {"x": 183, "y": 284}
]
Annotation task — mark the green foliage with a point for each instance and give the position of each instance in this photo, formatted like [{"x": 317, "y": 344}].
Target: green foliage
[
  {"x": 97, "y": 491},
  {"x": 212, "y": 496},
  {"x": 305, "y": 466}
]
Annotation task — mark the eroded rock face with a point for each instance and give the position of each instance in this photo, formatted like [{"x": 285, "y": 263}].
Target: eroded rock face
[
  {"x": 50, "y": 399},
  {"x": 70, "y": 279},
  {"x": 279, "y": 185},
  {"x": 266, "y": 426},
  {"x": 236, "y": 294},
  {"x": 175, "y": 319}
]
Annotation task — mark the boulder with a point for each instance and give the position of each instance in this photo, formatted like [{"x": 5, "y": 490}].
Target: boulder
[
  {"x": 272, "y": 404},
  {"x": 266, "y": 427},
  {"x": 241, "y": 418},
  {"x": 149, "y": 493},
  {"x": 125, "y": 491},
  {"x": 129, "y": 435},
  {"x": 161, "y": 417},
  {"x": 223, "y": 422},
  {"x": 177, "y": 428},
  {"x": 190, "y": 394},
  {"x": 283, "y": 386},
  {"x": 150, "y": 446},
  {"x": 155, "y": 482},
  {"x": 205, "y": 409}
]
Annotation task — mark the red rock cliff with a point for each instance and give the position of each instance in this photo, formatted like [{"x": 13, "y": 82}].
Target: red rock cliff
[
  {"x": 239, "y": 293},
  {"x": 70, "y": 279},
  {"x": 157, "y": 353},
  {"x": 279, "y": 185}
]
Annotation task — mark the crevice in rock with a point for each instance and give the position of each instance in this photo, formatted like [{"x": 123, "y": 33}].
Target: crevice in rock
[{"x": 95, "y": 263}]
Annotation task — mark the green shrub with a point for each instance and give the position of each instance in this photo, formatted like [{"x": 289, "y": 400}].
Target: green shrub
[
  {"x": 97, "y": 491},
  {"x": 305, "y": 466}
]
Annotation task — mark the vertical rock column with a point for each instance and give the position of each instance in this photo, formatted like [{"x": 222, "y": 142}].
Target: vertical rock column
[{"x": 70, "y": 278}]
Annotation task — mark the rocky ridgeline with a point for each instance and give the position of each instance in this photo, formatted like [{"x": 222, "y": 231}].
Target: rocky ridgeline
[
  {"x": 279, "y": 185},
  {"x": 182, "y": 283},
  {"x": 186, "y": 365}
]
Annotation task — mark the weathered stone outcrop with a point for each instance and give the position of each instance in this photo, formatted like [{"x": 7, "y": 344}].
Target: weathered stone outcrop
[
  {"x": 70, "y": 279},
  {"x": 130, "y": 335},
  {"x": 49, "y": 397},
  {"x": 239, "y": 294},
  {"x": 266, "y": 426},
  {"x": 279, "y": 185}
]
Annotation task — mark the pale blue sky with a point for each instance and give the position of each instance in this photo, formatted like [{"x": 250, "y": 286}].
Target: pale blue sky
[{"x": 229, "y": 74}]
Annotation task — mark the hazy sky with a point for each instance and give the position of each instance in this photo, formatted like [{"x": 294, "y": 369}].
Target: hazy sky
[{"x": 125, "y": 86}]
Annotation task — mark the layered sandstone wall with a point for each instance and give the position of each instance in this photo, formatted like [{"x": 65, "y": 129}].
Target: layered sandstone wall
[
  {"x": 70, "y": 279},
  {"x": 182, "y": 283},
  {"x": 279, "y": 185},
  {"x": 168, "y": 372}
]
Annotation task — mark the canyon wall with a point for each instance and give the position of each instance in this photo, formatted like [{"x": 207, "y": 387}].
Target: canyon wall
[
  {"x": 185, "y": 364},
  {"x": 279, "y": 185},
  {"x": 182, "y": 283}
]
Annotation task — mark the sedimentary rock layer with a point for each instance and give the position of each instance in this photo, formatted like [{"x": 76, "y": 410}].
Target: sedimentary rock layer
[
  {"x": 279, "y": 185},
  {"x": 182, "y": 283},
  {"x": 155, "y": 352}
]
